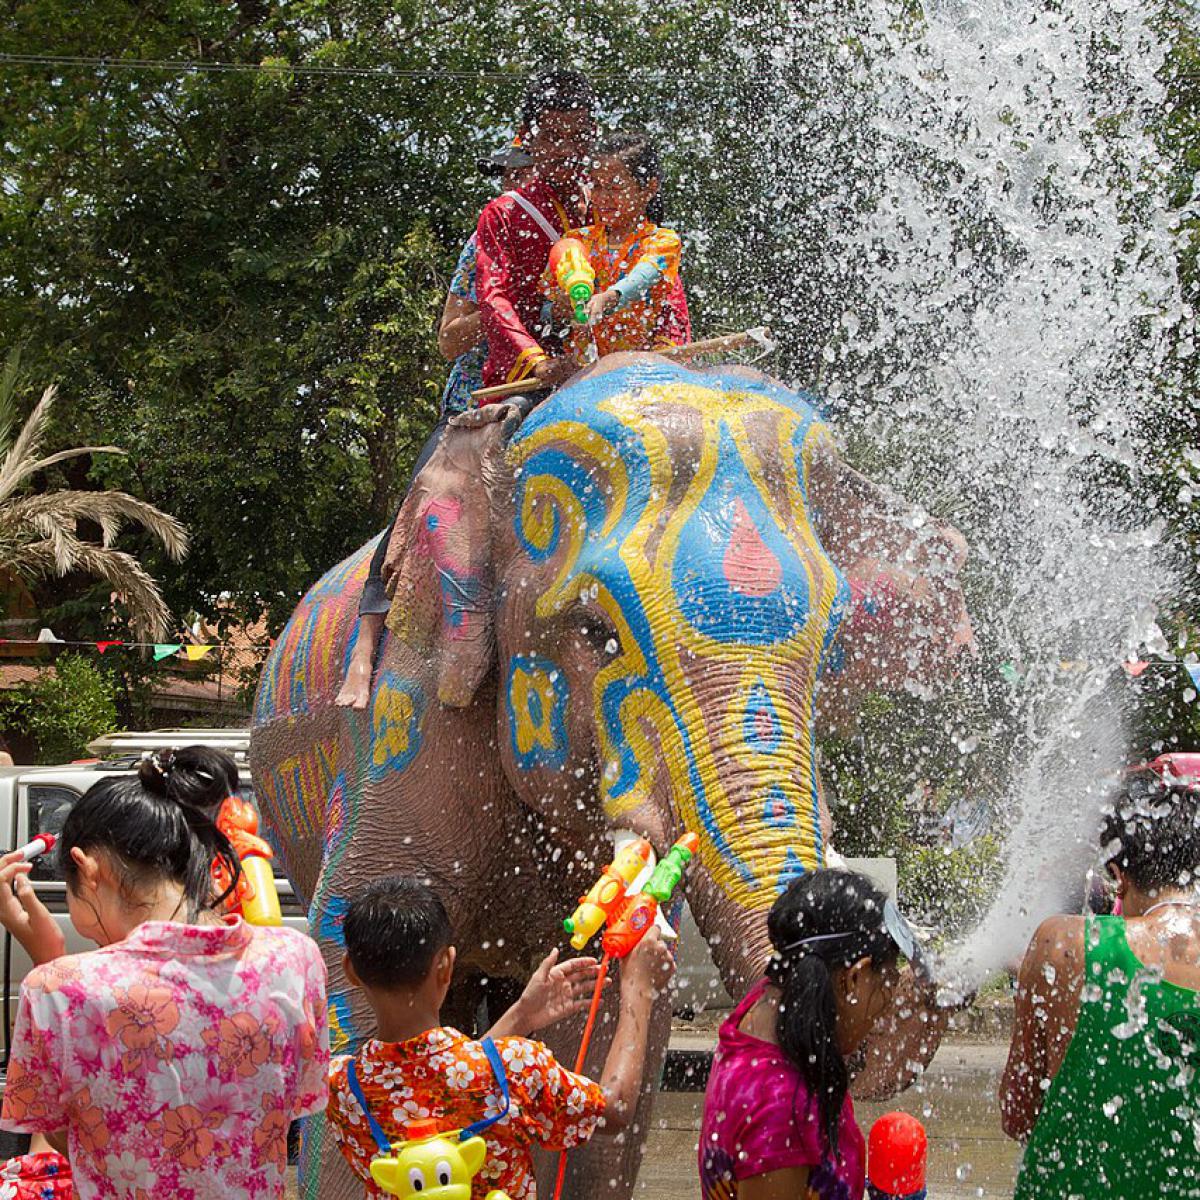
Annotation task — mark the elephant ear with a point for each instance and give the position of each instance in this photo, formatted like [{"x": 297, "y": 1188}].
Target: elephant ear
[
  {"x": 438, "y": 570},
  {"x": 863, "y": 522}
]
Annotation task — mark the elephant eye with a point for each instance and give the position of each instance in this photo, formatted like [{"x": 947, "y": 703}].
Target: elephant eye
[
  {"x": 443, "y": 1174},
  {"x": 416, "y": 1179}
]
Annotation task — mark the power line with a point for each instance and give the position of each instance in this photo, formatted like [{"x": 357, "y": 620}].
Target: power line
[{"x": 267, "y": 68}]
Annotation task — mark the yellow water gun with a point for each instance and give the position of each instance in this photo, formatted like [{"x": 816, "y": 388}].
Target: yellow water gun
[
  {"x": 432, "y": 1165},
  {"x": 573, "y": 273},
  {"x": 608, "y": 892}
]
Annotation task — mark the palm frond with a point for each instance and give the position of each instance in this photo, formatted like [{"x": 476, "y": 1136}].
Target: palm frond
[
  {"x": 10, "y": 378},
  {"x": 135, "y": 588},
  {"x": 24, "y": 451},
  {"x": 112, "y": 511}
]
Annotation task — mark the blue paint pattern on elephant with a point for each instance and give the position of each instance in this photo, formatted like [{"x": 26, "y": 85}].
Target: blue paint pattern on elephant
[
  {"x": 601, "y": 558},
  {"x": 536, "y": 718},
  {"x": 397, "y": 713}
]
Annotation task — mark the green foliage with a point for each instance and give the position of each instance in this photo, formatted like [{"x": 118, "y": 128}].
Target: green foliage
[
  {"x": 235, "y": 275},
  {"x": 950, "y": 887},
  {"x": 891, "y": 782},
  {"x": 63, "y": 709}
]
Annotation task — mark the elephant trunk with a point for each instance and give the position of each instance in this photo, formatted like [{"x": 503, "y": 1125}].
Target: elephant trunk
[{"x": 736, "y": 936}]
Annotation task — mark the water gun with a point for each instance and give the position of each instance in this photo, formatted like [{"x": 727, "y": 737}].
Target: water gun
[
  {"x": 896, "y": 1153},
  {"x": 608, "y": 892},
  {"x": 573, "y": 273},
  {"x": 432, "y": 1165},
  {"x": 638, "y": 913},
  {"x": 255, "y": 894}
]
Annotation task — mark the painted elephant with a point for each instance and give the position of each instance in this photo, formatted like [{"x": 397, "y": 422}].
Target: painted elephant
[{"x": 613, "y": 614}]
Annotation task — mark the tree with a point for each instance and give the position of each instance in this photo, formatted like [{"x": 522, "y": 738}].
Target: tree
[
  {"x": 39, "y": 530},
  {"x": 237, "y": 272}
]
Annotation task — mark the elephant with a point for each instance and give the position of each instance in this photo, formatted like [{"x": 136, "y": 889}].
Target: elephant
[{"x": 611, "y": 614}]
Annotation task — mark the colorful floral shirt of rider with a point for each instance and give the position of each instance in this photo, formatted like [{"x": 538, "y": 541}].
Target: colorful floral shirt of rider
[
  {"x": 176, "y": 1059},
  {"x": 643, "y": 323},
  {"x": 445, "y": 1076},
  {"x": 466, "y": 373}
]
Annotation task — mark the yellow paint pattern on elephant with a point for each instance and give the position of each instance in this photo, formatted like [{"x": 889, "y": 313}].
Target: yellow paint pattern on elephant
[{"x": 677, "y": 741}]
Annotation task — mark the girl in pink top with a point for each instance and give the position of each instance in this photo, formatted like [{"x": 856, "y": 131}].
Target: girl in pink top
[
  {"x": 778, "y": 1119},
  {"x": 171, "y": 1061}
]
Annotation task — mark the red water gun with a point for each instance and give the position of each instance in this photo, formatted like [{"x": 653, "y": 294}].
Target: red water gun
[
  {"x": 255, "y": 894},
  {"x": 896, "y": 1153}
]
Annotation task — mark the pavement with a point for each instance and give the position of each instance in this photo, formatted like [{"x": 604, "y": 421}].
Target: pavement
[{"x": 969, "y": 1156}]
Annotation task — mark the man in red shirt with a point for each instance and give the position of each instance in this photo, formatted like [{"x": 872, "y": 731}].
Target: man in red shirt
[{"x": 517, "y": 230}]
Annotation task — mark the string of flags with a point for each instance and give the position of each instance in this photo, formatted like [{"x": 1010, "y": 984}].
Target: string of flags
[{"x": 192, "y": 651}]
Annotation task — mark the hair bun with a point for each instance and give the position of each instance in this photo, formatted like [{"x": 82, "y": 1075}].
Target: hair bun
[
  {"x": 154, "y": 771},
  {"x": 195, "y": 777}
]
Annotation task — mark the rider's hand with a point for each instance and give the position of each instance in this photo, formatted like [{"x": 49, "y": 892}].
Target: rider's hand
[
  {"x": 555, "y": 371},
  {"x": 24, "y": 915},
  {"x": 601, "y": 303}
]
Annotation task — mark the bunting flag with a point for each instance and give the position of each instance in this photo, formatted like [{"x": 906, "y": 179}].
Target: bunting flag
[
  {"x": 1193, "y": 670},
  {"x": 196, "y": 653},
  {"x": 103, "y": 646},
  {"x": 48, "y": 635},
  {"x": 166, "y": 649},
  {"x": 1134, "y": 667},
  {"x": 1010, "y": 673}
]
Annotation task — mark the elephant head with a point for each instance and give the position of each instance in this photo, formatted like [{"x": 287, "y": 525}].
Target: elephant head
[{"x": 643, "y": 564}]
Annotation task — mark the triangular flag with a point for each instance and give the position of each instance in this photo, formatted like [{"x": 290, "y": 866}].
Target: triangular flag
[
  {"x": 1193, "y": 670},
  {"x": 1135, "y": 668},
  {"x": 166, "y": 649},
  {"x": 48, "y": 635},
  {"x": 196, "y": 653},
  {"x": 103, "y": 646},
  {"x": 1010, "y": 673}
]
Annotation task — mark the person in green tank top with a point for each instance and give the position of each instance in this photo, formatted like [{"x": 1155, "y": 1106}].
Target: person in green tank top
[{"x": 1103, "y": 1074}]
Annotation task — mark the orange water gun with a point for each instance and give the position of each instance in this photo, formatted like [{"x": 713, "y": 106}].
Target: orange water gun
[
  {"x": 607, "y": 892},
  {"x": 573, "y": 273},
  {"x": 633, "y": 920},
  {"x": 255, "y": 894}
]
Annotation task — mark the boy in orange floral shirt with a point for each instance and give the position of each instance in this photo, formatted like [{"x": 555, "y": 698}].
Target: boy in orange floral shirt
[{"x": 399, "y": 951}]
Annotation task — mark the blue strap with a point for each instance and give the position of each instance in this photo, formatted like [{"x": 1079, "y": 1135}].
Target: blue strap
[
  {"x": 385, "y": 1147},
  {"x": 381, "y": 1139},
  {"x": 493, "y": 1057}
]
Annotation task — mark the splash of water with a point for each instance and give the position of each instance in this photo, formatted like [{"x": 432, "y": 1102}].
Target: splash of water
[{"x": 1005, "y": 258}]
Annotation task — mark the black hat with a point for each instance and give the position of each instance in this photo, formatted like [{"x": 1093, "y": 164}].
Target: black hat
[{"x": 508, "y": 159}]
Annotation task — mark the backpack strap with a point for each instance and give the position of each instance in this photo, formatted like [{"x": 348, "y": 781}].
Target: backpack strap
[
  {"x": 537, "y": 215},
  {"x": 381, "y": 1140},
  {"x": 497, "y": 1064}
]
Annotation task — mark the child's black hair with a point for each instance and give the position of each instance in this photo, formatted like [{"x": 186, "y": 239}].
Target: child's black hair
[
  {"x": 635, "y": 149},
  {"x": 160, "y": 824},
  {"x": 394, "y": 930},
  {"x": 556, "y": 91},
  {"x": 823, "y": 903},
  {"x": 1153, "y": 834}
]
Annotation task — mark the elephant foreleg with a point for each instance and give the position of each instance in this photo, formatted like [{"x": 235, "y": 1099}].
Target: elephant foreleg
[{"x": 324, "y": 1174}]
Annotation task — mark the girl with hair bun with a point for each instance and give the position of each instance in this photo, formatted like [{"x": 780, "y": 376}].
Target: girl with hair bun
[
  {"x": 778, "y": 1120},
  {"x": 171, "y": 1060}
]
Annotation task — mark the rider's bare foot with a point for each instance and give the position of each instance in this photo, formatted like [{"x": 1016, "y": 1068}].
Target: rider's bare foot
[{"x": 356, "y": 687}]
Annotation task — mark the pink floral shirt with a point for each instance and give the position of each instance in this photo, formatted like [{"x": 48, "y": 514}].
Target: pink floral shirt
[{"x": 176, "y": 1059}]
